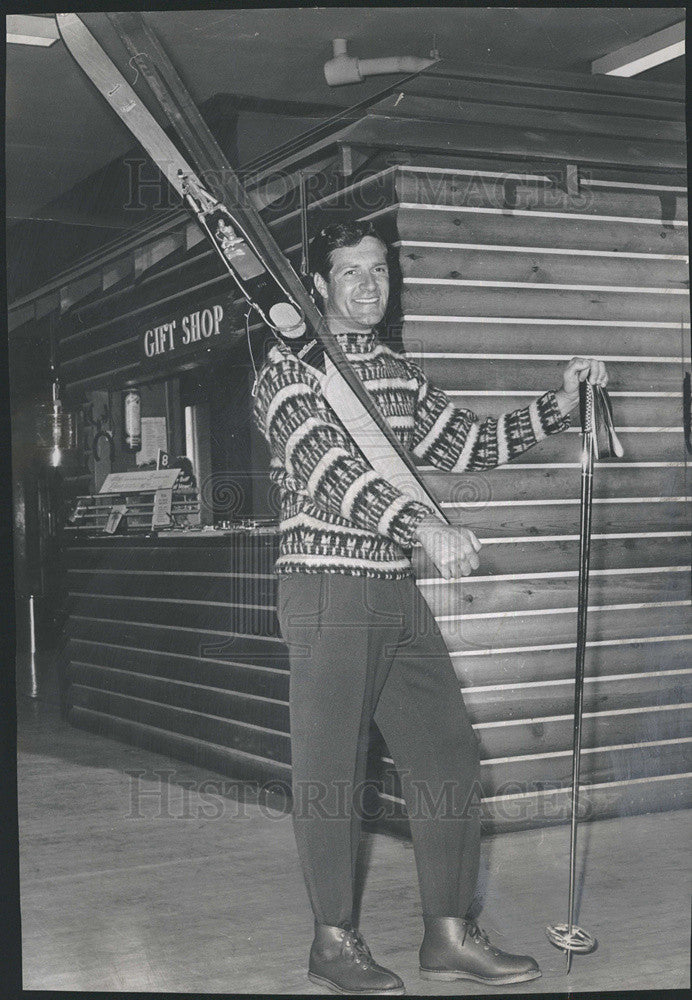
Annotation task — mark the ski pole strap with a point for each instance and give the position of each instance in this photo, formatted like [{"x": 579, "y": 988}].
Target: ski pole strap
[
  {"x": 596, "y": 415},
  {"x": 305, "y": 248}
]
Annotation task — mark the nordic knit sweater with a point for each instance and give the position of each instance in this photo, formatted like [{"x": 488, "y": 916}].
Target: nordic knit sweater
[{"x": 337, "y": 514}]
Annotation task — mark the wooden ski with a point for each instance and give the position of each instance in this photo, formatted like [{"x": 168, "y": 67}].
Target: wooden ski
[{"x": 244, "y": 244}]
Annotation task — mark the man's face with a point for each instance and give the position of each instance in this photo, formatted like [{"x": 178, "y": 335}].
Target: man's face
[{"x": 356, "y": 291}]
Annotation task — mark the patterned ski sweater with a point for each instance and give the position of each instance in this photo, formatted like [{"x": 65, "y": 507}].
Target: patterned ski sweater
[{"x": 337, "y": 514}]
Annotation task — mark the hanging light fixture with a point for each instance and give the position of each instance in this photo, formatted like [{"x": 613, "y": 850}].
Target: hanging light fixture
[{"x": 56, "y": 428}]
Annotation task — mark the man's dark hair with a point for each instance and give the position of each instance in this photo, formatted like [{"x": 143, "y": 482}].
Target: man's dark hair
[{"x": 334, "y": 236}]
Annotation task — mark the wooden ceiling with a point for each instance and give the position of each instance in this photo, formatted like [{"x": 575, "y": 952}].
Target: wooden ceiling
[
  {"x": 58, "y": 130},
  {"x": 265, "y": 67}
]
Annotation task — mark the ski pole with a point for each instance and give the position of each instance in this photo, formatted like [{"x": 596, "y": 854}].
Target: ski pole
[{"x": 598, "y": 440}]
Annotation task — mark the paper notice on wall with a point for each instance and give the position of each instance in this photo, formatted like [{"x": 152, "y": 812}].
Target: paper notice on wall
[
  {"x": 161, "y": 514},
  {"x": 154, "y": 438}
]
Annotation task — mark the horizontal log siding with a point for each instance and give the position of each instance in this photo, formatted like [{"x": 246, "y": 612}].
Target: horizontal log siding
[
  {"x": 502, "y": 284},
  {"x": 173, "y": 644}
]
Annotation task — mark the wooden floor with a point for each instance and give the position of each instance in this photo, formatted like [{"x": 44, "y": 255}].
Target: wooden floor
[{"x": 192, "y": 897}]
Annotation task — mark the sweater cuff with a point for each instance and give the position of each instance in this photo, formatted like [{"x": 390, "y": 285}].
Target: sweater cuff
[
  {"x": 403, "y": 526},
  {"x": 546, "y": 416}
]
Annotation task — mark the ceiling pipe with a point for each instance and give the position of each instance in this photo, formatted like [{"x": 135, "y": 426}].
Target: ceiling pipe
[{"x": 343, "y": 68}]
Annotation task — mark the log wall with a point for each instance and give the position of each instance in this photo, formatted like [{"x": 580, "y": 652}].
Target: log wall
[{"x": 536, "y": 216}]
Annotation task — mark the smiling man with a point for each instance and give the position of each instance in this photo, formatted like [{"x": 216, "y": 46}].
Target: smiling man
[
  {"x": 355, "y": 290},
  {"x": 363, "y": 644}
]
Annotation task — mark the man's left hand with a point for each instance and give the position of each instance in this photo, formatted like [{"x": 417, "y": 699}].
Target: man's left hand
[{"x": 576, "y": 371}]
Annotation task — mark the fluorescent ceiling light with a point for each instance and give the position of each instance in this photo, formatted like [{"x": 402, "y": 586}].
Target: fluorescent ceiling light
[
  {"x": 30, "y": 29},
  {"x": 29, "y": 40},
  {"x": 644, "y": 54},
  {"x": 648, "y": 62}
]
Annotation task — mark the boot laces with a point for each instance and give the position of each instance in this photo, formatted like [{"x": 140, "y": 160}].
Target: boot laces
[
  {"x": 354, "y": 944},
  {"x": 478, "y": 935}
]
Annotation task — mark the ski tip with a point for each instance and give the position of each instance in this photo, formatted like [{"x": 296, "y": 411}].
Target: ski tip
[{"x": 66, "y": 21}]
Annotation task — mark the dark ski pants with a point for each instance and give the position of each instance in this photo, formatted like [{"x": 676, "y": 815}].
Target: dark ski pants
[{"x": 362, "y": 649}]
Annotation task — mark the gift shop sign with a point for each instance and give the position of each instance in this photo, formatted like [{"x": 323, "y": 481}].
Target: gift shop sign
[{"x": 190, "y": 332}]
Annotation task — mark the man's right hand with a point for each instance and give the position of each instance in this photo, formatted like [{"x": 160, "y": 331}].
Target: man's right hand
[{"x": 452, "y": 549}]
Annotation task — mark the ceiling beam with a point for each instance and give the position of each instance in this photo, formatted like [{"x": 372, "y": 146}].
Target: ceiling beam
[
  {"x": 225, "y": 103},
  {"x": 648, "y": 52}
]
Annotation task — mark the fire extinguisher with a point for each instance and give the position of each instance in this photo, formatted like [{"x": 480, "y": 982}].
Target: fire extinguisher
[{"x": 133, "y": 419}]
